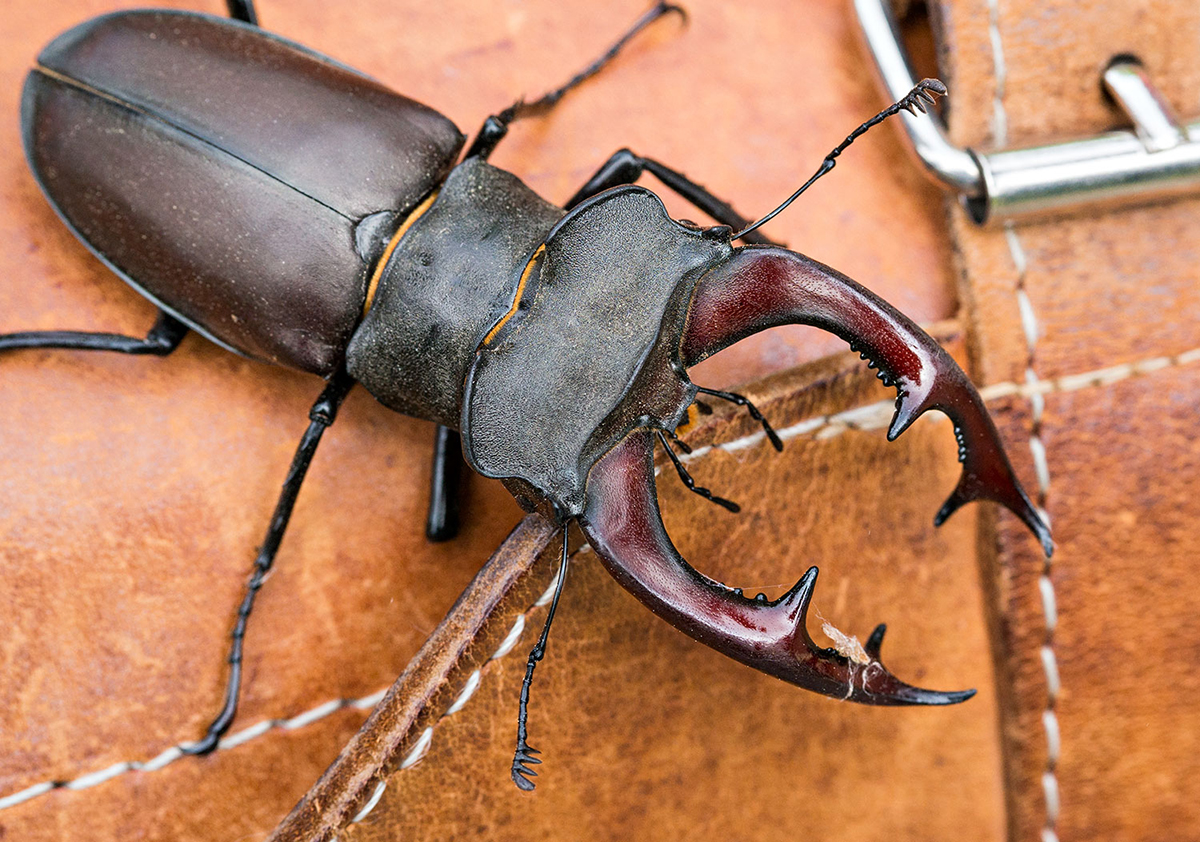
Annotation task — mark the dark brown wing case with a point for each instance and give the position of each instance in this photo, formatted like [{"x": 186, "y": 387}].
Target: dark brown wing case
[{"x": 223, "y": 172}]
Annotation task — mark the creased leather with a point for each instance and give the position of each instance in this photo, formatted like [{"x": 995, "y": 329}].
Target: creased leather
[{"x": 1113, "y": 293}]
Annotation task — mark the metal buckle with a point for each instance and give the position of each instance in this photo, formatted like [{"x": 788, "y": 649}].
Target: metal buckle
[{"x": 1157, "y": 158}]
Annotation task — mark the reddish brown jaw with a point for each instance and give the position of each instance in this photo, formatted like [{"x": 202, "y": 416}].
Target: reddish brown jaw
[
  {"x": 762, "y": 287},
  {"x": 759, "y": 288},
  {"x": 623, "y": 525}
]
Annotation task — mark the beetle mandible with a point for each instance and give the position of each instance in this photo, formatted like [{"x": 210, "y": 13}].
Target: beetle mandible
[{"x": 556, "y": 340}]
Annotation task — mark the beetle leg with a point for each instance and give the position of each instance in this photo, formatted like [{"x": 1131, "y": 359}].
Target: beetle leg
[
  {"x": 445, "y": 482},
  {"x": 524, "y": 757},
  {"x": 760, "y": 287},
  {"x": 742, "y": 400},
  {"x": 162, "y": 339},
  {"x": 623, "y": 524},
  {"x": 496, "y": 126},
  {"x": 691, "y": 483},
  {"x": 320, "y": 416},
  {"x": 242, "y": 10},
  {"x": 626, "y": 167}
]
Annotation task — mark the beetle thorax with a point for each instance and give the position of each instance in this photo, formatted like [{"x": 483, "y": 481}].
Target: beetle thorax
[{"x": 592, "y": 350}]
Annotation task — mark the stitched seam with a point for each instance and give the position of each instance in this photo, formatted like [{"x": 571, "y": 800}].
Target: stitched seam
[
  {"x": 415, "y": 754},
  {"x": 175, "y": 752},
  {"x": 1037, "y": 448},
  {"x": 421, "y": 747},
  {"x": 871, "y": 417}
]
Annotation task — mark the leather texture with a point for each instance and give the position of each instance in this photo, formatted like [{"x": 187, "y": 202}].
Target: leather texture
[
  {"x": 133, "y": 491},
  {"x": 1090, "y": 324}
]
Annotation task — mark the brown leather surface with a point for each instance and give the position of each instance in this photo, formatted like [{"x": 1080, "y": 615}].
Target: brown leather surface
[
  {"x": 133, "y": 491},
  {"x": 1109, "y": 335},
  {"x": 646, "y": 734}
]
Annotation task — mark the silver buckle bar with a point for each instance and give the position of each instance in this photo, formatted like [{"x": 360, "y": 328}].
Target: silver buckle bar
[{"x": 1155, "y": 159}]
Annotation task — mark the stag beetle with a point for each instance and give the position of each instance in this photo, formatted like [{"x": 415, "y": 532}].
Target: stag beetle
[{"x": 556, "y": 341}]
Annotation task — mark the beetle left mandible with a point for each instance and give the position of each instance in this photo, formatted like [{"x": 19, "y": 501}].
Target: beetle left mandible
[{"x": 556, "y": 340}]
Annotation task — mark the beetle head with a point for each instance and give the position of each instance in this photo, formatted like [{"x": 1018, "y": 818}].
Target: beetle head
[{"x": 753, "y": 289}]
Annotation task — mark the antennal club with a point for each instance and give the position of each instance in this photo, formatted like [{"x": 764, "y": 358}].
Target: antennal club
[{"x": 918, "y": 99}]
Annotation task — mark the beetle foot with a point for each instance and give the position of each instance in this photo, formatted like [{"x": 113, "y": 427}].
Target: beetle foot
[{"x": 521, "y": 773}]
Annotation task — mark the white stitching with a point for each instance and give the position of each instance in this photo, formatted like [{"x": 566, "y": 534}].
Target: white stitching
[
  {"x": 514, "y": 634},
  {"x": 999, "y": 114},
  {"x": 467, "y": 692},
  {"x": 97, "y": 778},
  {"x": 27, "y": 793},
  {"x": 319, "y": 712},
  {"x": 418, "y": 752},
  {"x": 1041, "y": 466},
  {"x": 1049, "y": 604},
  {"x": 877, "y": 416},
  {"x": 170, "y": 755},
  {"x": 826, "y": 425},
  {"x": 371, "y": 802},
  {"x": 1037, "y": 448},
  {"x": 421, "y": 748},
  {"x": 414, "y": 756}
]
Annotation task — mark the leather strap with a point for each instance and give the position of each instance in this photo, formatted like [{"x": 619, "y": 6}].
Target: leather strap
[{"x": 1090, "y": 324}]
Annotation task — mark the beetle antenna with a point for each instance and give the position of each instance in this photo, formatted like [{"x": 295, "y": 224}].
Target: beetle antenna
[
  {"x": 496, "y": 126},
  {"x": 918, "y": 99},
  {"x": 524, "y": 755},
  {"x": 742, "y": 400},
  {"x": 548, "y": 100},
  {"x": 691, "y": 483}
]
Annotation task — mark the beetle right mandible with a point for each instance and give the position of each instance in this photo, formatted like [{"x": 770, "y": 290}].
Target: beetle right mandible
[{"x": 297, "y": 212}]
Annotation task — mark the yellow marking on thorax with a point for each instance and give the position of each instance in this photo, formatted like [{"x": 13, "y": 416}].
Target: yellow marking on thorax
[
  {"x": 689, "y": 422},
  {"x": 516, "y": 298},
  {"x": 416, "y": 214}
]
